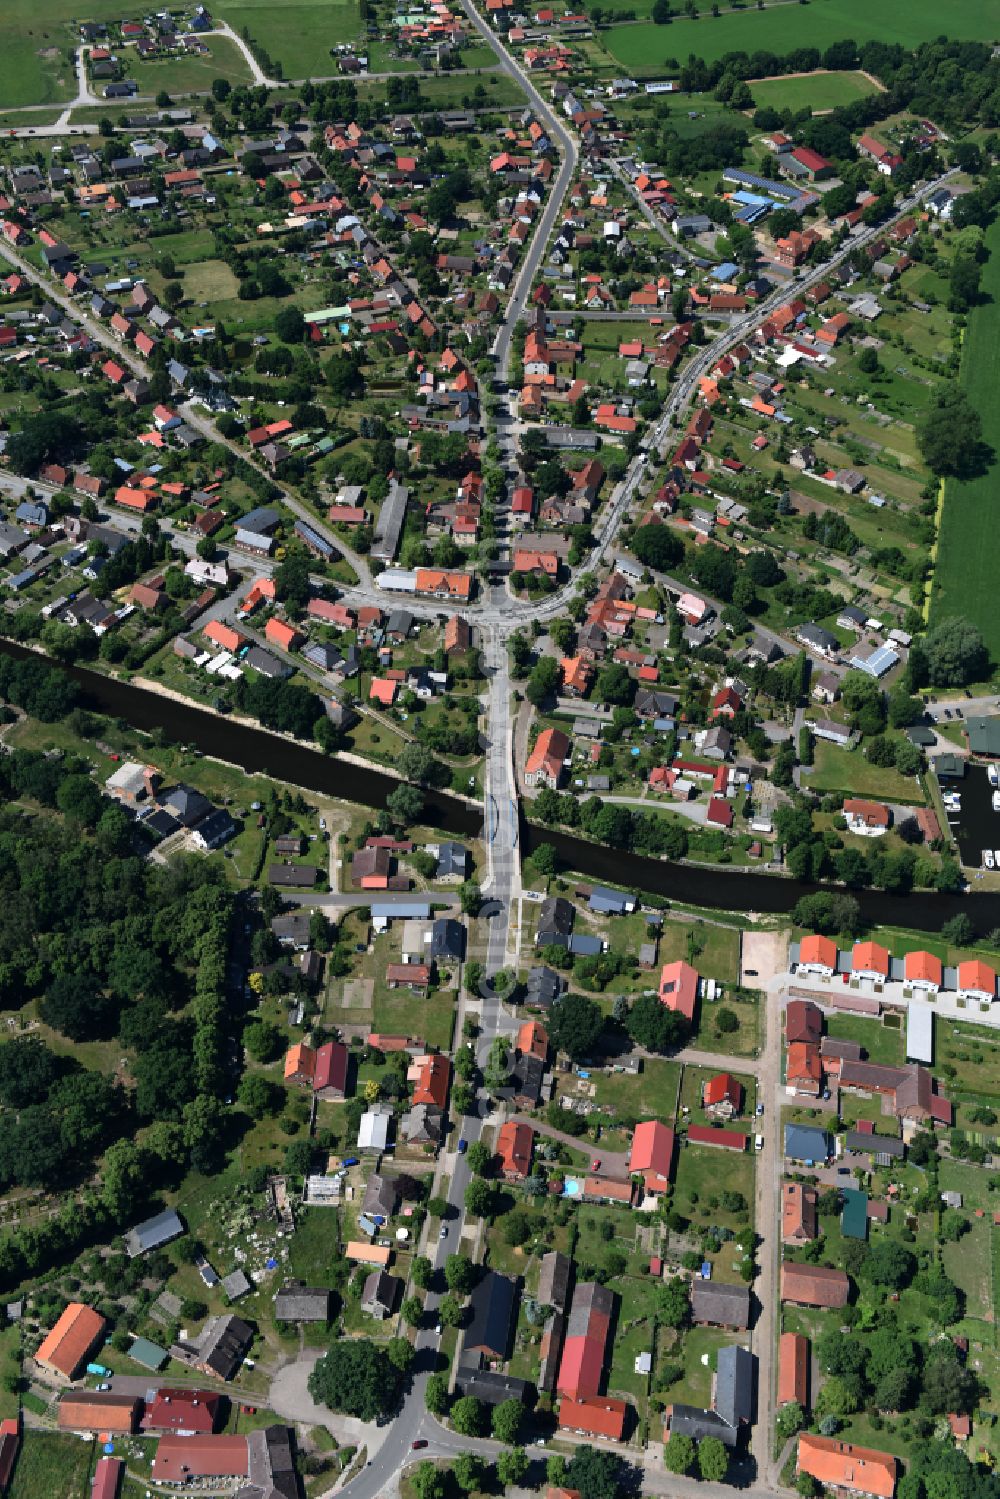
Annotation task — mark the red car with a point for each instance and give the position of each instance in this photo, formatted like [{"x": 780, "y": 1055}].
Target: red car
[
  {"x": 595, "y": 1165},
  {"x": 420, "y": 1442}
]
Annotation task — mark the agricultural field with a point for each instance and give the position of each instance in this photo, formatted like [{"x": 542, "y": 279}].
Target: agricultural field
[
  {"x": 644, "y": 47},
  {"x": 815, "y": 91},
  {"x": 968, "y": 549}
]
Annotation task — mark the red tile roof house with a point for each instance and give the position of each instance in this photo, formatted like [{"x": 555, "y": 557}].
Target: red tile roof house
[
  {"x": 330, "y": 1074},
  {"x": 588, "y": 1328},
  {"x": 415, "y": 976},
  {"x": 514, "y": 1147},
  {"x": 922, "y": 970},
  {"x": 869, "y": 960},
  {"x": 818, "y": 955},
  {"x": 977, "y": 980},
  {"x": 281, "y": 634},
  {"x": 719, "y": 1138},
  {"x": 793, "y": 1369},
  {"x": 679, "y": 988},
  {"x": 726, "y": 703},
  {"x": 430, "y": 1076},
  {"x": 722, "y": 1095},
  {"x": 814, "y": 1285},
  {"x": 719, "y": 812},
  {"x": 845, "y": 1469},
  {"x": 651, "y": 1155},
  {"x": 803, "y": 1021},
  {"x": 597, "y": 1416},
  {"x": 866, "y": 819},
  {"x": 804, "y": 1068},
  {"x": 545, "y": 763}
]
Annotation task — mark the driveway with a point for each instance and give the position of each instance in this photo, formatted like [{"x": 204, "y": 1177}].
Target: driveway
[
  {"x": 614, "y": 1163},
  {"x": 763, "y": 956},
  {"x": 290, "y": 1398}
]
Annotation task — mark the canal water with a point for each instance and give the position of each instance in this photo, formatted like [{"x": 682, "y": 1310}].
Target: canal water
[
  {"x": 716, "y": 887},
  {"x": 977, "y": 826}
]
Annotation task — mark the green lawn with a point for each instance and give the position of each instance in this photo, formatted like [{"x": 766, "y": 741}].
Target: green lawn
[
  {"x": 50, "y": 1465},
  {"x": 848, "y": 771},
  {"x": 816, "y": 91},
  {"x": 968, "y": 549},
  {"x": 705, "y": 1171},
  {"x": 297, "y": 36},
  {"x": 652, "y": 1095},
  {"x": 190, "y": 74},
  {"x": 882, "y": 1044},
  {"x": 713, "y": 950},
  {"x": 645, "y": 47}
]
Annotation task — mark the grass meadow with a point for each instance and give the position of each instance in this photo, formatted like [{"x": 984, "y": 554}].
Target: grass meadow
[
  {"x": 968, "y": 550},
  {"x": 815, "y": 91}
]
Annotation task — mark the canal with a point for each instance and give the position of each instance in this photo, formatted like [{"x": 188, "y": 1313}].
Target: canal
[{"x": 255, "y": 750}]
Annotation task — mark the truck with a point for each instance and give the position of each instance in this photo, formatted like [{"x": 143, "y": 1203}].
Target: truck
[{"x": 758, "y": 1142}]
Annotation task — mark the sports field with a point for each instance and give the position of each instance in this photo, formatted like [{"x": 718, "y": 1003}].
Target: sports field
[
  {"x": 968, "y": 553},
  {"x": 644, "y": 46},
  {"x": 815, "y": 91}
]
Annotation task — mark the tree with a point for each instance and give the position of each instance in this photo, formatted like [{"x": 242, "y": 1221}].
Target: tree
[
  {"x": 468, "y": 1472},
  {"x": 75, "y": 1006},
  {"x": 291, "y": 579},
  {"x": 654, "y": 1027},
  {"x": 356, "y": 1378},
  {"x": 460, "y": 1273},
  {"x": 290, "y": 325},
  {"x": 543, "y": 681},
  {"x": 958, "y": 930},
  {"x": 479, "y": 1198},
  {"x": 507, "y": 1418},
  {"x": 428, "y": 1482},
  {"x": 955, "y": 653},
  {"x": 412, "y": 1311},
  {"x": 404, "y": 804},
  {"x": 263, "y": 1041},
  {"x": 790, "y": 1419},
  {"x": 950, "y": 437},
  {"x": 479, "y": 1158},
  {"x": 713, "y": 1460},
  {"x": 436, "y": 1397},
  {"x": 868, "y": 362},
  {"x": 673, "y": 1303},
  {"x": 468, "y": 1417},
  {"x": 79, "y": 799},
  {"x": 596, "y": 1473},
  {"x": 657, "y": 547},
  {"x": 422, "y": 1272},
  {"x": 545, "y": 859},
  {"x": 946, "y": 1385},
  {"x": 512, "y": 1466},
  {"x": 450, "y": 1310},
  {"x": 889, "y": 1264},
  {"x": 259, "y": 1096},
  {"x": 27, "y": 1071},
  {"x": 173, "y": 294},
  {"x": 575, "y": 1023},
  {"x": 678, "y": 1453}
]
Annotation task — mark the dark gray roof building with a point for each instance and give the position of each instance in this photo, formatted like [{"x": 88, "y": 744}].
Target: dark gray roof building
[
  {"x": 489, "y": 1387},
  {"x": 298, "y": 1303},
  {"x": 153, "y": 1233},
  {"x": 494, "y": 1308}
]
